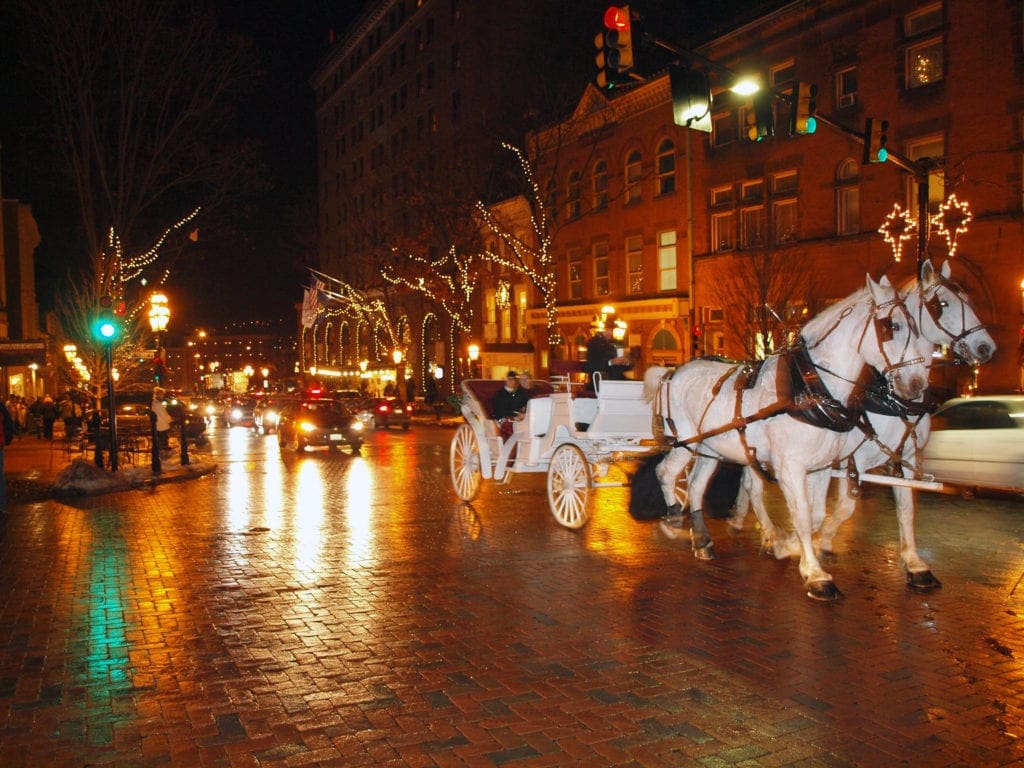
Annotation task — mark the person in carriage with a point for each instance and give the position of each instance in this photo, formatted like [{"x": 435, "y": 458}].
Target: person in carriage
[{"x": 509, "y": 404}]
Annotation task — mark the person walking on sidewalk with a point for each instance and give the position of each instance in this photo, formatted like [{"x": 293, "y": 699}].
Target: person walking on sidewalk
[{"x": 163, "y": 418}]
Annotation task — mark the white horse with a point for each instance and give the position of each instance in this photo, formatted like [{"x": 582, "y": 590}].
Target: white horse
[
  {"x": 716, "y": 415},
  {"x": 896, "y": 434}
]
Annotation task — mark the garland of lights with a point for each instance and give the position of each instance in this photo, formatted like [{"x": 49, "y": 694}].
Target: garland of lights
[
  {"x": 898, "y": 227},
  {"x": 951, "y": 221},
  {"x": 448, "y": 282},
  {"x": 537, "y": 264}
]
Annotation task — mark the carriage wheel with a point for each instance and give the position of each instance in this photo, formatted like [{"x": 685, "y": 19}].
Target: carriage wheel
[
  {"x": 569, "y": 486},
  {"x": 464, "y": 462}
]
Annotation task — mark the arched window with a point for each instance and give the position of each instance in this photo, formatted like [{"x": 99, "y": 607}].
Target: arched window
[
  {"x": 848, "y": 197},
  {"x": 572, "y": 196},
  {"x": 666, "y": 171},
  {"x": 600, "y": 184},
  {"x": 633, "y": 171},
  {"x": 664, "y": 339}
]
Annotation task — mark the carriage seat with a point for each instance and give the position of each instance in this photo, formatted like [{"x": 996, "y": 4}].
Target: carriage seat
[{"x": 482, "y": 391}]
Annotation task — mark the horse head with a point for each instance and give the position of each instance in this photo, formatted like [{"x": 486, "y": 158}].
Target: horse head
[
  {"x": 945, "y": 316},
  {"x": 899, "y": 352}
]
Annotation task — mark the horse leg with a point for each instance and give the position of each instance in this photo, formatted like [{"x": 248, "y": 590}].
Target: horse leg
[
  {"x": 697, "y": 481},
  {"x": 751, "y": 495},
  {"x": 800, "y": 488},
  {"x": 844, "y": 508},
  {"x": 919, "y": 574}
]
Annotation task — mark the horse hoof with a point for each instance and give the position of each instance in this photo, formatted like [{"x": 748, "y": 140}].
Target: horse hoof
[
  {"x": 671, "y": 529},
  {"x": 825, "y": 591},
  {"x": 707, "y": 552},
  {"x": 922, "y": 581}
]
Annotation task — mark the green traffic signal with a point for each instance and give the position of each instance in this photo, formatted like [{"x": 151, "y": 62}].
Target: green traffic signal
[{"x": 106, "y": 328}]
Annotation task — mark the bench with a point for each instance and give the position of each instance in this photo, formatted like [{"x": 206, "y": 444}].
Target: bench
[{"x": 621, "y": 411}]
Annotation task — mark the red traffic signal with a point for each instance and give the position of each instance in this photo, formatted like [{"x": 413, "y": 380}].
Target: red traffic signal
[{"x": 617, "y": 18}]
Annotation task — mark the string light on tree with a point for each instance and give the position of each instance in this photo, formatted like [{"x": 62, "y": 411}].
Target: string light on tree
[
  {"x": 535, "y": 262},
  {"x": 899, "y": 227},
  {"x": 951, "y": 221}
]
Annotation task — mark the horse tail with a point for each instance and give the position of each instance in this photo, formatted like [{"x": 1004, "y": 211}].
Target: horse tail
[{"x": 653, "y": 377}]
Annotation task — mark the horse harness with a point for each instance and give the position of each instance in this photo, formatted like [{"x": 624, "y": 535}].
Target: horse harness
[{"x": 802, "y": 395}]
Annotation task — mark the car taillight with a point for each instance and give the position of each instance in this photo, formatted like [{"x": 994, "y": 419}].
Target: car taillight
[{"x": 383, "y": 408}]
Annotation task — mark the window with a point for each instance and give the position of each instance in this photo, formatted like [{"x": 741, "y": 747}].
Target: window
[
  {"x": 633, "y": 172},
  {"x": 721, "y": 196},
  {"x": 934, "y": 148},
  {"x": 601, "y": 282},
  {"x": 846, "y": 87},
  {"x": 782, "y": 74},
  {"x": 599, "y": 181},
  {"x": 667, "y": 261},
  {"x": 520, "y": 299},
  {"x": 724, "y": 130},
  {"x": 848, "y": 198},
  {"x": 664, "y": 339},
  {"x": 752, "y": 221},
  {"x": 666, "y": 167},
  {"x": 575, "y": 273},
  {"x": 635, "y": 263},
  {"x": 723, "y": 231},
  {"x": 784, "y": 221},
  {"x": 785, "y": 183},
  {"x": 924, "y": 63},
  {"x": 924, "y": 58},
  {"x": 572, "y": 196}
]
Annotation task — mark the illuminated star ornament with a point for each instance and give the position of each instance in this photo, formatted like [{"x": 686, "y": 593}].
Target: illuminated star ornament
[
  {"x": 951, "y": 221},
  {"x": 898, "y": 227}
]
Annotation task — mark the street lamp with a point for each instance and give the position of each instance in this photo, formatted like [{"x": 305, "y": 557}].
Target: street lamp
[
  {"x": 266, "y": 377},
  {"x": 473, "y": 350},
  {"x": 159, "y": 316},
  {"x": 397, "y": 356}
]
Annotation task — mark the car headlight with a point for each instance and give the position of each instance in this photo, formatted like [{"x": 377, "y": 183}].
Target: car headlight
[
  {"x": 270, "y": 417},
  {"x": 307, "y": 426},
  {"x": 236, "y": 413},
  {"x": 357, "y": 426},
  {"x": 209, "y": 410}
]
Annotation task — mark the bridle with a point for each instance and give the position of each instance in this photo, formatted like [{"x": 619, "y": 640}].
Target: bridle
[{"x": 935, "y": 306}]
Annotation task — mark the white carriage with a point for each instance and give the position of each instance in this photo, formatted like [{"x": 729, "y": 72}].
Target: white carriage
[{"x": 575, "y": 436}]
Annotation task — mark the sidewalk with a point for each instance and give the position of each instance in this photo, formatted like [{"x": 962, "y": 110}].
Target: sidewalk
[{"x": 41, "y": 469}]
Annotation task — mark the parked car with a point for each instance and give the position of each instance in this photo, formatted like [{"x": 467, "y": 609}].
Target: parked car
[
  {"x": 238, "y": 412},
  {"x": 268, "y": 412},
  {"x": 317, "y": 422},
  {"x": 388, "y": 411},
  {"x": 978, "y": 442}
]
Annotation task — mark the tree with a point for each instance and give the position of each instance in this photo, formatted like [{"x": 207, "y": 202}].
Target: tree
[
  {"x": 765, "y": 296},
  {"x": 533, "y": 258},
  {"x": 143, "y": 96}
]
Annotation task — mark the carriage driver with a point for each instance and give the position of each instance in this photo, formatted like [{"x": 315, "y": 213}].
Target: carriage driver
[{"x": 509, "y": 404}]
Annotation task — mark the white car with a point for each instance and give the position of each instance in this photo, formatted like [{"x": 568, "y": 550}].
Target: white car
[{"x": 978, "y": 442}]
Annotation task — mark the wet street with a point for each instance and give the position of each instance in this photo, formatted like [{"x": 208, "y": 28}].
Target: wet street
[{"x": 329, "y": 610}]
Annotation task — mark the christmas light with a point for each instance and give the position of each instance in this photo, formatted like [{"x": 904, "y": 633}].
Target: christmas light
[
  {"x": 951, "y": 221},
  {"x": 898, "y": 227}
]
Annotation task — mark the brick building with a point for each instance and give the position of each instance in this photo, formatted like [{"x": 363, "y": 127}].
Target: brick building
[{"x": 799, "y": 216}]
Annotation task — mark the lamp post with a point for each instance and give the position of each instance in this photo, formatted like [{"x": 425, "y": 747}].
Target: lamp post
[
  {"x": 397, "y": 356},
  {"x": 266, "y": 377},
  {"x": 159, "y": 317},
  {"x": 473, "y": 351}
]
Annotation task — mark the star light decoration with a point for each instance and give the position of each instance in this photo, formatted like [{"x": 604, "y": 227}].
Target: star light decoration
[
  {"x": 898, "y": 227},
  {"x": 951, "y": 221}
]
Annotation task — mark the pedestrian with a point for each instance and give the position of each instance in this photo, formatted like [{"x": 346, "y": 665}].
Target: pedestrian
[
  {"x": 163, "y": 418},
  {"x": 5, "y": 439},
  {"x": 50, "y": 413},
  {"x": 410, "y": 389},
  {"x": 35, "y": 416}
]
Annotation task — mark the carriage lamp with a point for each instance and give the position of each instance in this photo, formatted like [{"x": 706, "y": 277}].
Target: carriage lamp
[{"x": 619, "y": 330}]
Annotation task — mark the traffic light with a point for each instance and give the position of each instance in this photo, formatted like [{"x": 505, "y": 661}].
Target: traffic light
[
  {"x": 691, "y": 97},
  {"x": 875, "y": 139},
  {"x": 759, "y": 117},
  {"x": 802, "y": 109},
  {"x": 614, "y": 47},
  {"x": 107, "y": 328}
]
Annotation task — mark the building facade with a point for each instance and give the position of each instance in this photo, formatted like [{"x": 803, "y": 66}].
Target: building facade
[{"x": 792, "y": 221}]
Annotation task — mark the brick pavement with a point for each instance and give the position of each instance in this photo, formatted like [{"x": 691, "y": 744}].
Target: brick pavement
[{"x": 326, "y": 610}]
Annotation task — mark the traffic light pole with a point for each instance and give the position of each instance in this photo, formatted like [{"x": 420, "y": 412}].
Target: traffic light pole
[{"x": 111, "y": 406}]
